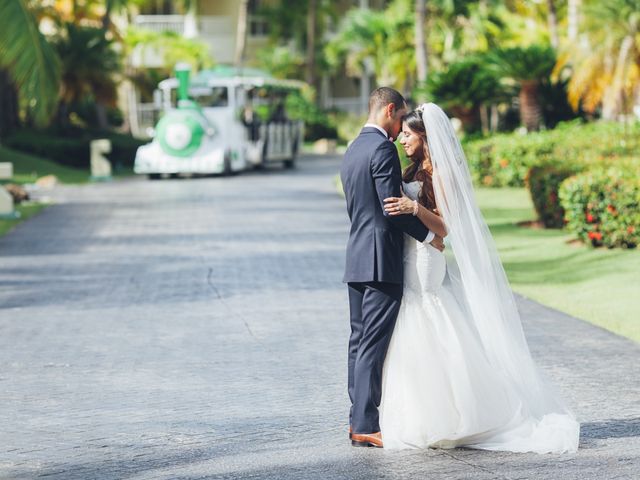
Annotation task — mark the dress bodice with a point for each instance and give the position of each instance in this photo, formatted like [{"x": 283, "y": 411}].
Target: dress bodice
[{"x": 412, "y": 189}]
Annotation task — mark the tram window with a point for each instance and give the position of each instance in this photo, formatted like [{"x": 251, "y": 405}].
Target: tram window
[{"x": 217, "y": 97}]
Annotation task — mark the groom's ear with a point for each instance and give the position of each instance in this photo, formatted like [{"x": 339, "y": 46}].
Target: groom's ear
[{"x": 390, "y": 110}]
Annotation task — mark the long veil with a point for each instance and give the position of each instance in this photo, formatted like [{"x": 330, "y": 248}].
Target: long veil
[{"x": 478, "y": 280}]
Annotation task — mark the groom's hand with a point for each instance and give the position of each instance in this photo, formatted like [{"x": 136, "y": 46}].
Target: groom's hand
[{"x": 438, "y": 242}]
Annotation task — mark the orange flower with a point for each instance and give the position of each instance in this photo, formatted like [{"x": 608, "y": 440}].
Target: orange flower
[
  {"x": 504, "y": 162},
  {"x": 590, "y": 218}
]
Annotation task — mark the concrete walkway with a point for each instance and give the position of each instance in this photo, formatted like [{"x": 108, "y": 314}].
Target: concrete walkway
[{"x": 197, "y": 329}]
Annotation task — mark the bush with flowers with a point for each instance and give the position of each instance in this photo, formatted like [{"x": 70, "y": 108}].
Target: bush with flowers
[{"x": 602, "y": 206}]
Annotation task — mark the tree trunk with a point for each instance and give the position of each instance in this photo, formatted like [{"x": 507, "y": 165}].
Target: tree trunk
[
  {"x": 241, "y": 34},
  {"x": 484, "y": 119},
  {"x": 420, "y": 41},
  {"x": 614, "y": 96},
  {"x": 310, "y": 73},
  {"x": 573, "y": 15},
  {"x": 552, "y": 18},
  {"x": 530, "y": 113},
  {"x": 101, "y": 116},
  {"x": 467, "y": 116},
  {"x": 9, "y": 119}
]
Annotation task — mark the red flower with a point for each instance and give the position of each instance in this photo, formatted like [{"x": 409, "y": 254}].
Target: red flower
[
  {"x": 595, "y": 235},
  {"x": 631, "y": 229},
  {"x": 590, "y": 218},
  {"x": 611, "y": 209}
]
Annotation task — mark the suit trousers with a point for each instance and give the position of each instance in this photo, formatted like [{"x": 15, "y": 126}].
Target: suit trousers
[{"x": 374, "y": 308}]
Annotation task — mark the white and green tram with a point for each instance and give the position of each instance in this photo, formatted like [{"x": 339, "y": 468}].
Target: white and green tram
[{"x": 222, "y": 121}]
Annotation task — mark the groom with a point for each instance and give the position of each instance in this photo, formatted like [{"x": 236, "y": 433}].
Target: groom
[{"x": 370, "y": 173}]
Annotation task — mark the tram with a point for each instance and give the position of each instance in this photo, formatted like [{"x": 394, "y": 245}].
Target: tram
[{"x": 222, "y": 121}]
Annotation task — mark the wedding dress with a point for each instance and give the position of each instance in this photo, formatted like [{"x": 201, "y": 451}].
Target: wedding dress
[{"x": 458, "y": 371}]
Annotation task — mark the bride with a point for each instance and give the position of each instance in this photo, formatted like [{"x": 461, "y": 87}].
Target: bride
[{"x": 458, "y": 371}]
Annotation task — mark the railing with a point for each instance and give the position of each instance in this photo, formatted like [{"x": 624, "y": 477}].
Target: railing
[
  {"x": 346, "y": 104},
  {"x": 148, "y": 115},
  {"x": 161, "y": 23}
]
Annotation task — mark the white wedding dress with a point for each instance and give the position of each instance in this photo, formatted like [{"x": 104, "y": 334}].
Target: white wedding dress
[{"x": 439, "y": 386}]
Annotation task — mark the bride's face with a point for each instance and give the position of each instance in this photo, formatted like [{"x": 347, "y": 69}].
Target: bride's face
[{"x": 411, "y": 142}]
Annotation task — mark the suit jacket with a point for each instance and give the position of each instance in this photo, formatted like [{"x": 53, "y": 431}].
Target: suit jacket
[{"x": 370, "y": 173}]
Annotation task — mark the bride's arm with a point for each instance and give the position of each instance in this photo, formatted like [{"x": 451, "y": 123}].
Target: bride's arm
[{"x": 405, "y": 206}]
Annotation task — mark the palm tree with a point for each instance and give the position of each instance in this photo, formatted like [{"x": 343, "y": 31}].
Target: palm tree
[
  {"x": 386, "y": 38},
  {"x": 527, "y": 67},
  {"x": 89, "y": 66},
  {"x": 29, "y": 60},
  {"x": 466, "y": 88},
  {"x": 421, "y": 43},
  {"x": 606, "y": 67}
]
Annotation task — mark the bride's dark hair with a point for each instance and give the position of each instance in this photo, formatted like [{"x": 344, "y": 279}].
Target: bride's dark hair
[{"x": 415, "y": 171}]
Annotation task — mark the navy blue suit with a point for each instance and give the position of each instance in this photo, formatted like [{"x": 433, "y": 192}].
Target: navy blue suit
[{"x": 370, "y": 173}]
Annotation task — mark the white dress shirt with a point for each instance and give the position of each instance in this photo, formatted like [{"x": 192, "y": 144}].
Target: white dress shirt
[{"x": 430, "y": 235}]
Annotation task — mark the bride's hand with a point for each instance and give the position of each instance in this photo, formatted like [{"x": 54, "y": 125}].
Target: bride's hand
[{"x": 398, "y": 205}]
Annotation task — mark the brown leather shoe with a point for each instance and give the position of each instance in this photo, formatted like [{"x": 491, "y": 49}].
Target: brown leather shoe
[{"x": 366, "y": 439}]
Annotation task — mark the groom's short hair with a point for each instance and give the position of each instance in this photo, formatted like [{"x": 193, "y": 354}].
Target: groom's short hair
[{"x": 383, "y": 96}]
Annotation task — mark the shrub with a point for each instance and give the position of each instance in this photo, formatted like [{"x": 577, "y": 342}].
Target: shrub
[
  {"x": 317, "y": 124},
  {"x": 505, "y": 159},
  {"x": 72, "y": 147},
  {"x": 602, "y": 206},
  {"x": 544, "y": 182}
]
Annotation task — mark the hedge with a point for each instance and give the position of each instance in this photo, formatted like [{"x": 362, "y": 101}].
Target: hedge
[
  {"x": 602, "y": 206},
  {"x": 72, "y": 147},
  {"x": 505, "y": 159}
]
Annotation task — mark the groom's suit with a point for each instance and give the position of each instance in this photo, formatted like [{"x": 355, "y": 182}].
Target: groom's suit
[{"x": 374, "y": 273}]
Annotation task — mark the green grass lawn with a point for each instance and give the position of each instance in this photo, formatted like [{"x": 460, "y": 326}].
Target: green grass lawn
[
  {"x": 27, "y": 168},
  {"x": 26, "y": 211},
  {"x": 598, "y": 285}
]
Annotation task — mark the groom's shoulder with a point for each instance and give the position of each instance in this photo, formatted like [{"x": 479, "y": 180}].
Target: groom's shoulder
[{"x": 366, "y": 141}]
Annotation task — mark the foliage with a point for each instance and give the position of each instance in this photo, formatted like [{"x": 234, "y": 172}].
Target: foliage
[
  {"x": 603, "y": 207},
  {"x": 604, "y": 67},
  {"x": 383, "y": 39},
  {"x": 300, "y": 106},
  {"x": 281, "y": 61},
  {"x": 71, "y": 146},
  {"x": 543, "y": 182},
  {"x": 30, "y": 59},
  {"x": 172, "y": 47},
  {"x": 467, "y": 83}
]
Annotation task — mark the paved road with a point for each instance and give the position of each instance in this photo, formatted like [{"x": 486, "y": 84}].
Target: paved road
[{"x": 197, "y": 329}]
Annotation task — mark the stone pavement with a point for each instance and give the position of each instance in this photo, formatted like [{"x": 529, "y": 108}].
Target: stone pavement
[{"x": 198, "y": 328}]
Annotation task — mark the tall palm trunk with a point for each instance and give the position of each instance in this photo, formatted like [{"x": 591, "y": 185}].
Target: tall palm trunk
[
  {"x": 530, "y": 112},
  {"x": 613, "y": 101},
  {"x": 310, "y": 71},
  {"x": 552, "y": 19},
  {"x": 241, "y": 33},
  {"x": 420, "y": 41},
  {"x": 573, "y": 15}
]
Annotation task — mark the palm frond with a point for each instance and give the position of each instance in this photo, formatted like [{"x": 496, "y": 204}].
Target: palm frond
[{"x": 29, "y": 59}]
